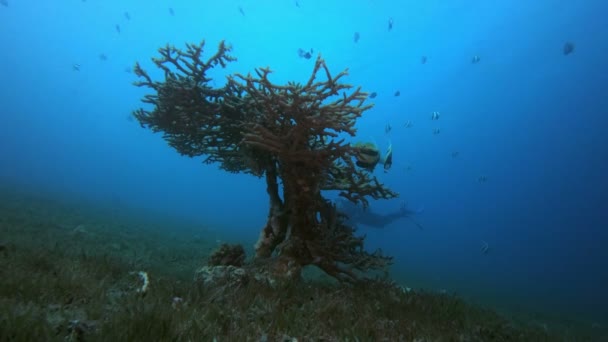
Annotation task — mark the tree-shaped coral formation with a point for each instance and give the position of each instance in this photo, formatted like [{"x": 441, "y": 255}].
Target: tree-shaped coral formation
[{"x": 290, "y": 134}]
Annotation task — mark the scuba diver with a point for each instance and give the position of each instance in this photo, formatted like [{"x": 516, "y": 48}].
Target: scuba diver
[
  {"x": 356, "y": 215},
  {"x": 368, "y": 157}
]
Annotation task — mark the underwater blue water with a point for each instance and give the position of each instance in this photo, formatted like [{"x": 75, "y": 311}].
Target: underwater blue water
[{"x": 527, "y": 117}]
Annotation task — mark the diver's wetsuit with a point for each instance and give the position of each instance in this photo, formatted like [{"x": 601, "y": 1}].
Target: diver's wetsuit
[{"x": 357, "y": 215}]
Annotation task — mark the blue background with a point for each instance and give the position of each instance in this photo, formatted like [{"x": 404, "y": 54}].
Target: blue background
[{"x": 529, "y": 118}]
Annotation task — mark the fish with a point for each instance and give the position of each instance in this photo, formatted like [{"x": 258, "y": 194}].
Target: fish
[
  {"x": 76, "y": 67},
  {"x": 387, "y": 128},
  {"x": 390, "y": 24},
  {"x": 117, "y": 28},
  {"x": 423, "y": 60},
  {"x": 127, "y": 16},
  {"x": 103, "y": 57},
  {"x": 475, "y": 59},
  {"x": 568, "y": 48},
  {"x": 482, "y": 179},
  {"x": 408, "y": 124},
  {"x": 397, "y": 93},
  {"x": 297, "y": 4},
  {"x": 436, "y": 131},
  {"x": 305, "y": 54},
  {"x": 367, "y": 156},
  {"x": 485, "y": 247},
  {"x": 373, "y": 95},
  {"x": 388, "y": 158},
  {"x": 435, "y": 115},
  {"x": 356, "y": 37},
  {"x": 241, "y": 11},
  {"x": 4, "y": 3},
  {"x": 455, "y": 154},
  {"x": 171, "y": 11}
]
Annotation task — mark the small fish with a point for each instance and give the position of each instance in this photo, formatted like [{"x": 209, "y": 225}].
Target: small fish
[
  {"x": 482, "y": 179},
  {"x": 408, "y": 124},
  {"x": 241, "y": 11},
  {"x": 4, "y": 3},
  {"x": 76, "y": 67},
  {"x": 475, "y": 59},
  {"x": 435, "y": 115},
  {"x": 388, "y": 159},
  {"x": 297, "y": 4},
  {"x": 388, "y": 128},
  {"x": 171, "y": 11},
  {"x": 436, "y": 131},
  {"x": 305, "y": 54},
  {"x": 423, "y": 60},
  {"x": 455, "y": 154},
  {"x": 373, "y": 95},
  {"x": 390, "y": 23},
  {"x": 117, "y": 28},
  {"x": 484, "y": 247},
  {"x": 568, "y": 48},
  {"x": 356, "y": 37},
  {"x": 127, "y": 16},
  {"x": 103, "y": 57},
  {"x": 397, "y": 93}
]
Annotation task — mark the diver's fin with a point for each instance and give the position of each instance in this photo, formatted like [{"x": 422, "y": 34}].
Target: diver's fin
[{"x": 416, "y": 223}]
